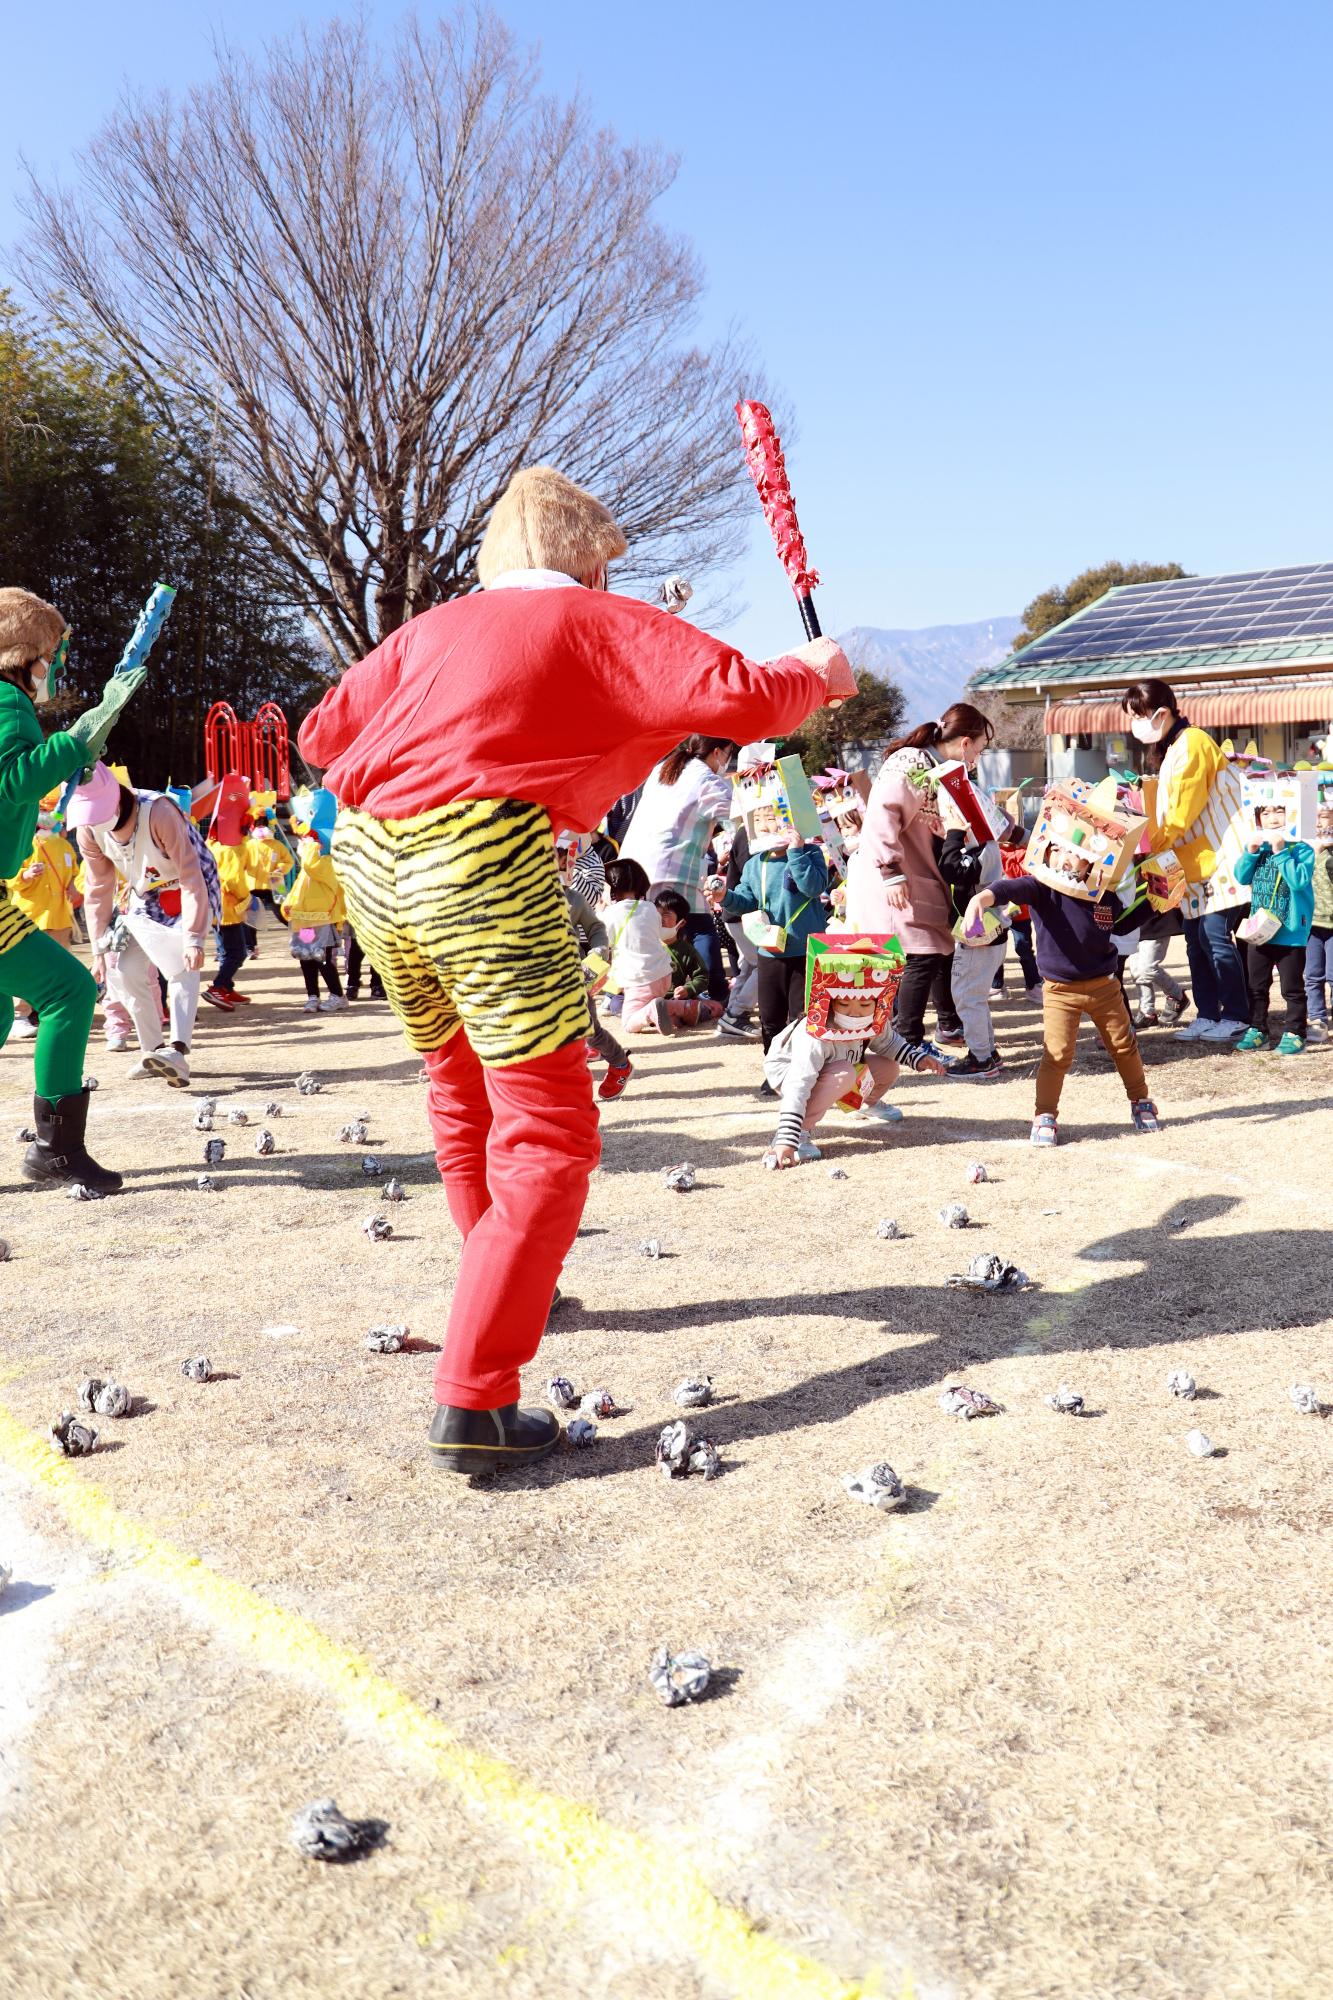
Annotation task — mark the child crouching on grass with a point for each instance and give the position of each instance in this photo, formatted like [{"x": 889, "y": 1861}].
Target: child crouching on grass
[
  {"x": 1077, "y": 960},
  {"x": 843, "y": 1048},
  {"x": 688, "y": 1003},
  {"x": 640, "y": 962}
]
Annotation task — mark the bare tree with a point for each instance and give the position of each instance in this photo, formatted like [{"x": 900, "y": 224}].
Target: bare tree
[{"x": 390, "y": 278}]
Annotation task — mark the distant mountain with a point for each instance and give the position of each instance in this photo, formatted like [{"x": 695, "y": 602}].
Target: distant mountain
[{"x": 932, "y": 666}]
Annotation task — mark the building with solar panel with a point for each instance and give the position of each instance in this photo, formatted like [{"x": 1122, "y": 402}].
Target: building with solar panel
[{"x": 1249, "y": 655}]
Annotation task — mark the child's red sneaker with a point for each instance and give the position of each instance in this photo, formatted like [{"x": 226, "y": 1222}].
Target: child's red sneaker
[
  {"x": 617, "y": 1076},
  {"x": 216, "y": 997},
  {"x": 239, "y": 999}
]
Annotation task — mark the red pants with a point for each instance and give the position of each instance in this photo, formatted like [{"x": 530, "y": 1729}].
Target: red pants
[{"x": 515, "y": 1147}]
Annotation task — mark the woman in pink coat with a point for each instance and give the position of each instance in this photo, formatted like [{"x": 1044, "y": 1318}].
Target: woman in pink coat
[{"x": 893, "y": 883}]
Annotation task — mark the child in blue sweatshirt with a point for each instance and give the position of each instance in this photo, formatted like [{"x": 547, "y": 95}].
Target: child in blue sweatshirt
[
  {"x": 1077, "y": 960},
  {"x": 1280, "y": 874},
  {"x": 782, "y": 892}
]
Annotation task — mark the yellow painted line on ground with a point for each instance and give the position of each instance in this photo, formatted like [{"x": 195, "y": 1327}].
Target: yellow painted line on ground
[{"x": 594, "y": 1857}]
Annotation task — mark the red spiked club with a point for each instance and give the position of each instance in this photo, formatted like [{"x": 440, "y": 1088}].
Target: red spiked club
[{"x": 768, "y": 469}]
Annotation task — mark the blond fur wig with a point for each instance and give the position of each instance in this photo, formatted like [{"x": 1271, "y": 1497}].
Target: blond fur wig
[
  {"x": 544, "y": 521},
  {"x": 30, "y": 629}
]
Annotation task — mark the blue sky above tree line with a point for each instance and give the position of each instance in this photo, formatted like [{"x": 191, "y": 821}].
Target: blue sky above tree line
[{"x": 1043, "y": 285}]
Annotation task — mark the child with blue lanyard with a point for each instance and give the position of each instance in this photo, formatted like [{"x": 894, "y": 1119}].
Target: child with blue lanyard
[{"x": 779, "y": 900}]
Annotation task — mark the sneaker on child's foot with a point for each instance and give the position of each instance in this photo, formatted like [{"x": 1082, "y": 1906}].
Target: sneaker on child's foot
[
  {"x": 729, "y": 1029},
  {"x": 662, "y": 1015},
  {"x": 807, "y": 1150},
  {"x": 1253, "y": 1038},
  {"x": 1195, "y": 1030},
  {"x": 1173, "y": 1009},
  {"x": 24, "y": 1028},
  {"x": 239, "y": 999},
  {"x": 1045, "y": 1129},
  {"x": 1147, "y": 1021},
  {"x": 1316, "y": 1032},
  {"x": 953, "y": 1038},
  {"x": 1144, "y": 1113},
  {"x": 332, "y": 1003},
  {"x": 1034, "y": 993},
  {"x": 766, "y": 1089},
  {"x": 617, "y": 1076},
  {"x": 117, "y": 1044},
  {"x": 977, "y": 1069},
  {"x": 170, "y": 1064},
  {"x": 1290, "y": 1045},
  {"x": 217, "y": 996},
  {"x": 311, "y": 1006}
]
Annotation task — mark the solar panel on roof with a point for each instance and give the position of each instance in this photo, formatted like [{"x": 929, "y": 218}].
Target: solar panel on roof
[{"x": 1263, "y": 606}]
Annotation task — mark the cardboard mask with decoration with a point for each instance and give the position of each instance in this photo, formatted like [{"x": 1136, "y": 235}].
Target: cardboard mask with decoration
[
  {"x": 314, "y": 811},
  {"x": 775, "y": 801},
  {"x": 843, "y": 795},
  {"x": 1084, "y": 838},
  {"x": 965, "y": 806},
  {"x": 1164, "y": 880},
  {"x": 1279, "y": 805},
  {"x": 851, "y": 968},
  {"x": 230, "y": 808}
]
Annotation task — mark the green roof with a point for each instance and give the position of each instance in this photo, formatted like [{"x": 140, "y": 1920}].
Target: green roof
[{"x": 1212, "y": 662}]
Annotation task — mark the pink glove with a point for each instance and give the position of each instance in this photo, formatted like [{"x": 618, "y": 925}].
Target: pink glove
[{"x": 831, "y": 664}]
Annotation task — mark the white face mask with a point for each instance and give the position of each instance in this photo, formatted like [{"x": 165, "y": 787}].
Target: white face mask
[
  {"x": 850, "y": 1024},
  {"x": 41, "y": 687},
  {"x": 1148, "y": 729}
]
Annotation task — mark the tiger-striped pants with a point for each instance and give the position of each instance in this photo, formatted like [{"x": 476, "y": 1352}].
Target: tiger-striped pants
[{"x": 461, "y": 913}]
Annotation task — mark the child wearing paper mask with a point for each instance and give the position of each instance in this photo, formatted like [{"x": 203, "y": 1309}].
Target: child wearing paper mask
[
  {"x": 314, "y": 911},
  {"x": 781, "y": 891},
  {"x": 1280, "y": 875},
  {"x": 811, "y": 1072}
]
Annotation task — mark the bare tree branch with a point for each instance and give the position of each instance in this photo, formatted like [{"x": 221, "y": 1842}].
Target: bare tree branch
[{"x": 399, "y": 275}]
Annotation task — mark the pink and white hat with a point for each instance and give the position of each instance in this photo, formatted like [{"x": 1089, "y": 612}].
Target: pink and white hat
[{"x": 96, "y": 802}]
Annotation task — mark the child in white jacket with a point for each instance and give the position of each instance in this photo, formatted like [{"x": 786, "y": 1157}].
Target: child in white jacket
[{"x": 640, "y": 962}]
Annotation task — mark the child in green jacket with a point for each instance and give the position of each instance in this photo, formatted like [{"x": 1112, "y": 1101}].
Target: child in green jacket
[
  {"x": 782, "y": 891},
  {"x": 688, "y": 1003}
]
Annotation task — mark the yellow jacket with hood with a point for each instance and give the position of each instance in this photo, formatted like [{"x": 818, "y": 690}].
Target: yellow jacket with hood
[{"x": 316, "y": 895}]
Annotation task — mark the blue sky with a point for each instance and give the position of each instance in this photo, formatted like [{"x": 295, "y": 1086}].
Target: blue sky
[{"x": 1044, "y": 284}]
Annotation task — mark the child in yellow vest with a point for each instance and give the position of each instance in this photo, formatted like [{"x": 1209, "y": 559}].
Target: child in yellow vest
[{"x": 315, "y": 910}]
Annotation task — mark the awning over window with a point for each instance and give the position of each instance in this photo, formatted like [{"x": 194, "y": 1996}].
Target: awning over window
[{"x": 1239, "y": 708}]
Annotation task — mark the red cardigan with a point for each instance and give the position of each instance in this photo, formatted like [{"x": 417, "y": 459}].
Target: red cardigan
[{"x": 564, "y": 698}]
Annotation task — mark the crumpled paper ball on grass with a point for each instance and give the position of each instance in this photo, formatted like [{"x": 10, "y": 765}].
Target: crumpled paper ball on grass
[
  {"x": 26, "y": 1136},
  {"x": 386, "y": 1339},
  {"x": 977, "y": 1173},
  {"x": 6, "y": 1577},
  {"x": 378, "y": 1228},
  {"x": 265, "y": 1143},
  {"x": 1066, "y": 1400},
  {"x": 71, "y": 1438},
  {"x": 215, "y": 1152},
  {"x": 5, "y": 1252},
  {"x": 562, "y": 1392},
  {"x": 79, "y": 1191},
  {"x": 598, "y": 1403},
  {"x": 354, "y": 1133},
  {"x": 1181, "y": 1383},
  {"x": 680, "y": 1452},
  {"x": 273, "y": 1109},
  {"x": 837, "y": 1173},
  {"x": 960, "y": 1401},
  {"x": 203, "y": 1121},
  {"x": 1305, "y": 1398},
  {"x": 322, "y": 1833},
  {"x": 989, "y": 1273},
  {"x": 1200, "y": 1444},
  {"x": 954, "y": 1216},
  {"x": 308, "y": 1084},
  {"x": 677, "y": 1678},
  {"x": 650, "y": 1247},
  {"x": 694, "y": 1393},
  {"x": 581, "y": 1432},
  {"x": 105, "y": 1399},
  {"x": 371, "y": 1167},
  {"x": 238, "y": 1117},
  {"x": 394, "y": 1191},
  {"x": 888, "y": 1230},
  {"x": 681, "y": 1179},
  {"x": 878, "y": 1486},
  {"x": 198, "y": 1369},
  {"x": 206, "y": 1184}
]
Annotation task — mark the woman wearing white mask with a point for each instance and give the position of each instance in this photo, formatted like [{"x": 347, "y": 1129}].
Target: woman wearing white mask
[{"x": 1199, "y": 815}]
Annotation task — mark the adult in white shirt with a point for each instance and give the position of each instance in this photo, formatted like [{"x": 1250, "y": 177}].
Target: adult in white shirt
[{"x": 668, "y": 836}]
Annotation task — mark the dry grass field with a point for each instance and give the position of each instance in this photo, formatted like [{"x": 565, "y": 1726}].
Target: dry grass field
[{"x": 1063, "y": 1727}]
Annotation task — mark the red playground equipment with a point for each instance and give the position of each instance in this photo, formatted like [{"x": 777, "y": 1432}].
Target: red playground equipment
[{"x": 258, "y": 749}]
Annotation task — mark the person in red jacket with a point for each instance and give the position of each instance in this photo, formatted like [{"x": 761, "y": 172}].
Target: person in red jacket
[{"x": 456, "y": 748}]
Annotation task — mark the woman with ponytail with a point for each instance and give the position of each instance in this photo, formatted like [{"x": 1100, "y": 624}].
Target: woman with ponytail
[
  {"x": 893, "y": 882},
  {"x": 678, "y": 808}
]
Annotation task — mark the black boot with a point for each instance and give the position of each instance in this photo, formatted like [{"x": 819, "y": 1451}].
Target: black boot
[
  {"x": 487, "y": 1440},
  {"x": 58, "y": 1152}
]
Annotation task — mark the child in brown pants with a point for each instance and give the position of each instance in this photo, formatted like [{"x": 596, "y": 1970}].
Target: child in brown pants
[{"x": 1076, "y": 957}]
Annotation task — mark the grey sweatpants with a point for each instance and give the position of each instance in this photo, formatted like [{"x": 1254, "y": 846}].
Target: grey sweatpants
[
  {"x": 602, "y": 1041},
  {"x": 974, "y": 967},
  {"x": 1148, "y": 971}
]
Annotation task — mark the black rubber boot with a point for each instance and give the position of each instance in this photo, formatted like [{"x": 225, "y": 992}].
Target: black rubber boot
[
  {"x": 488, "y": 1440},
  {"x": 58, "y": 1152}
]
